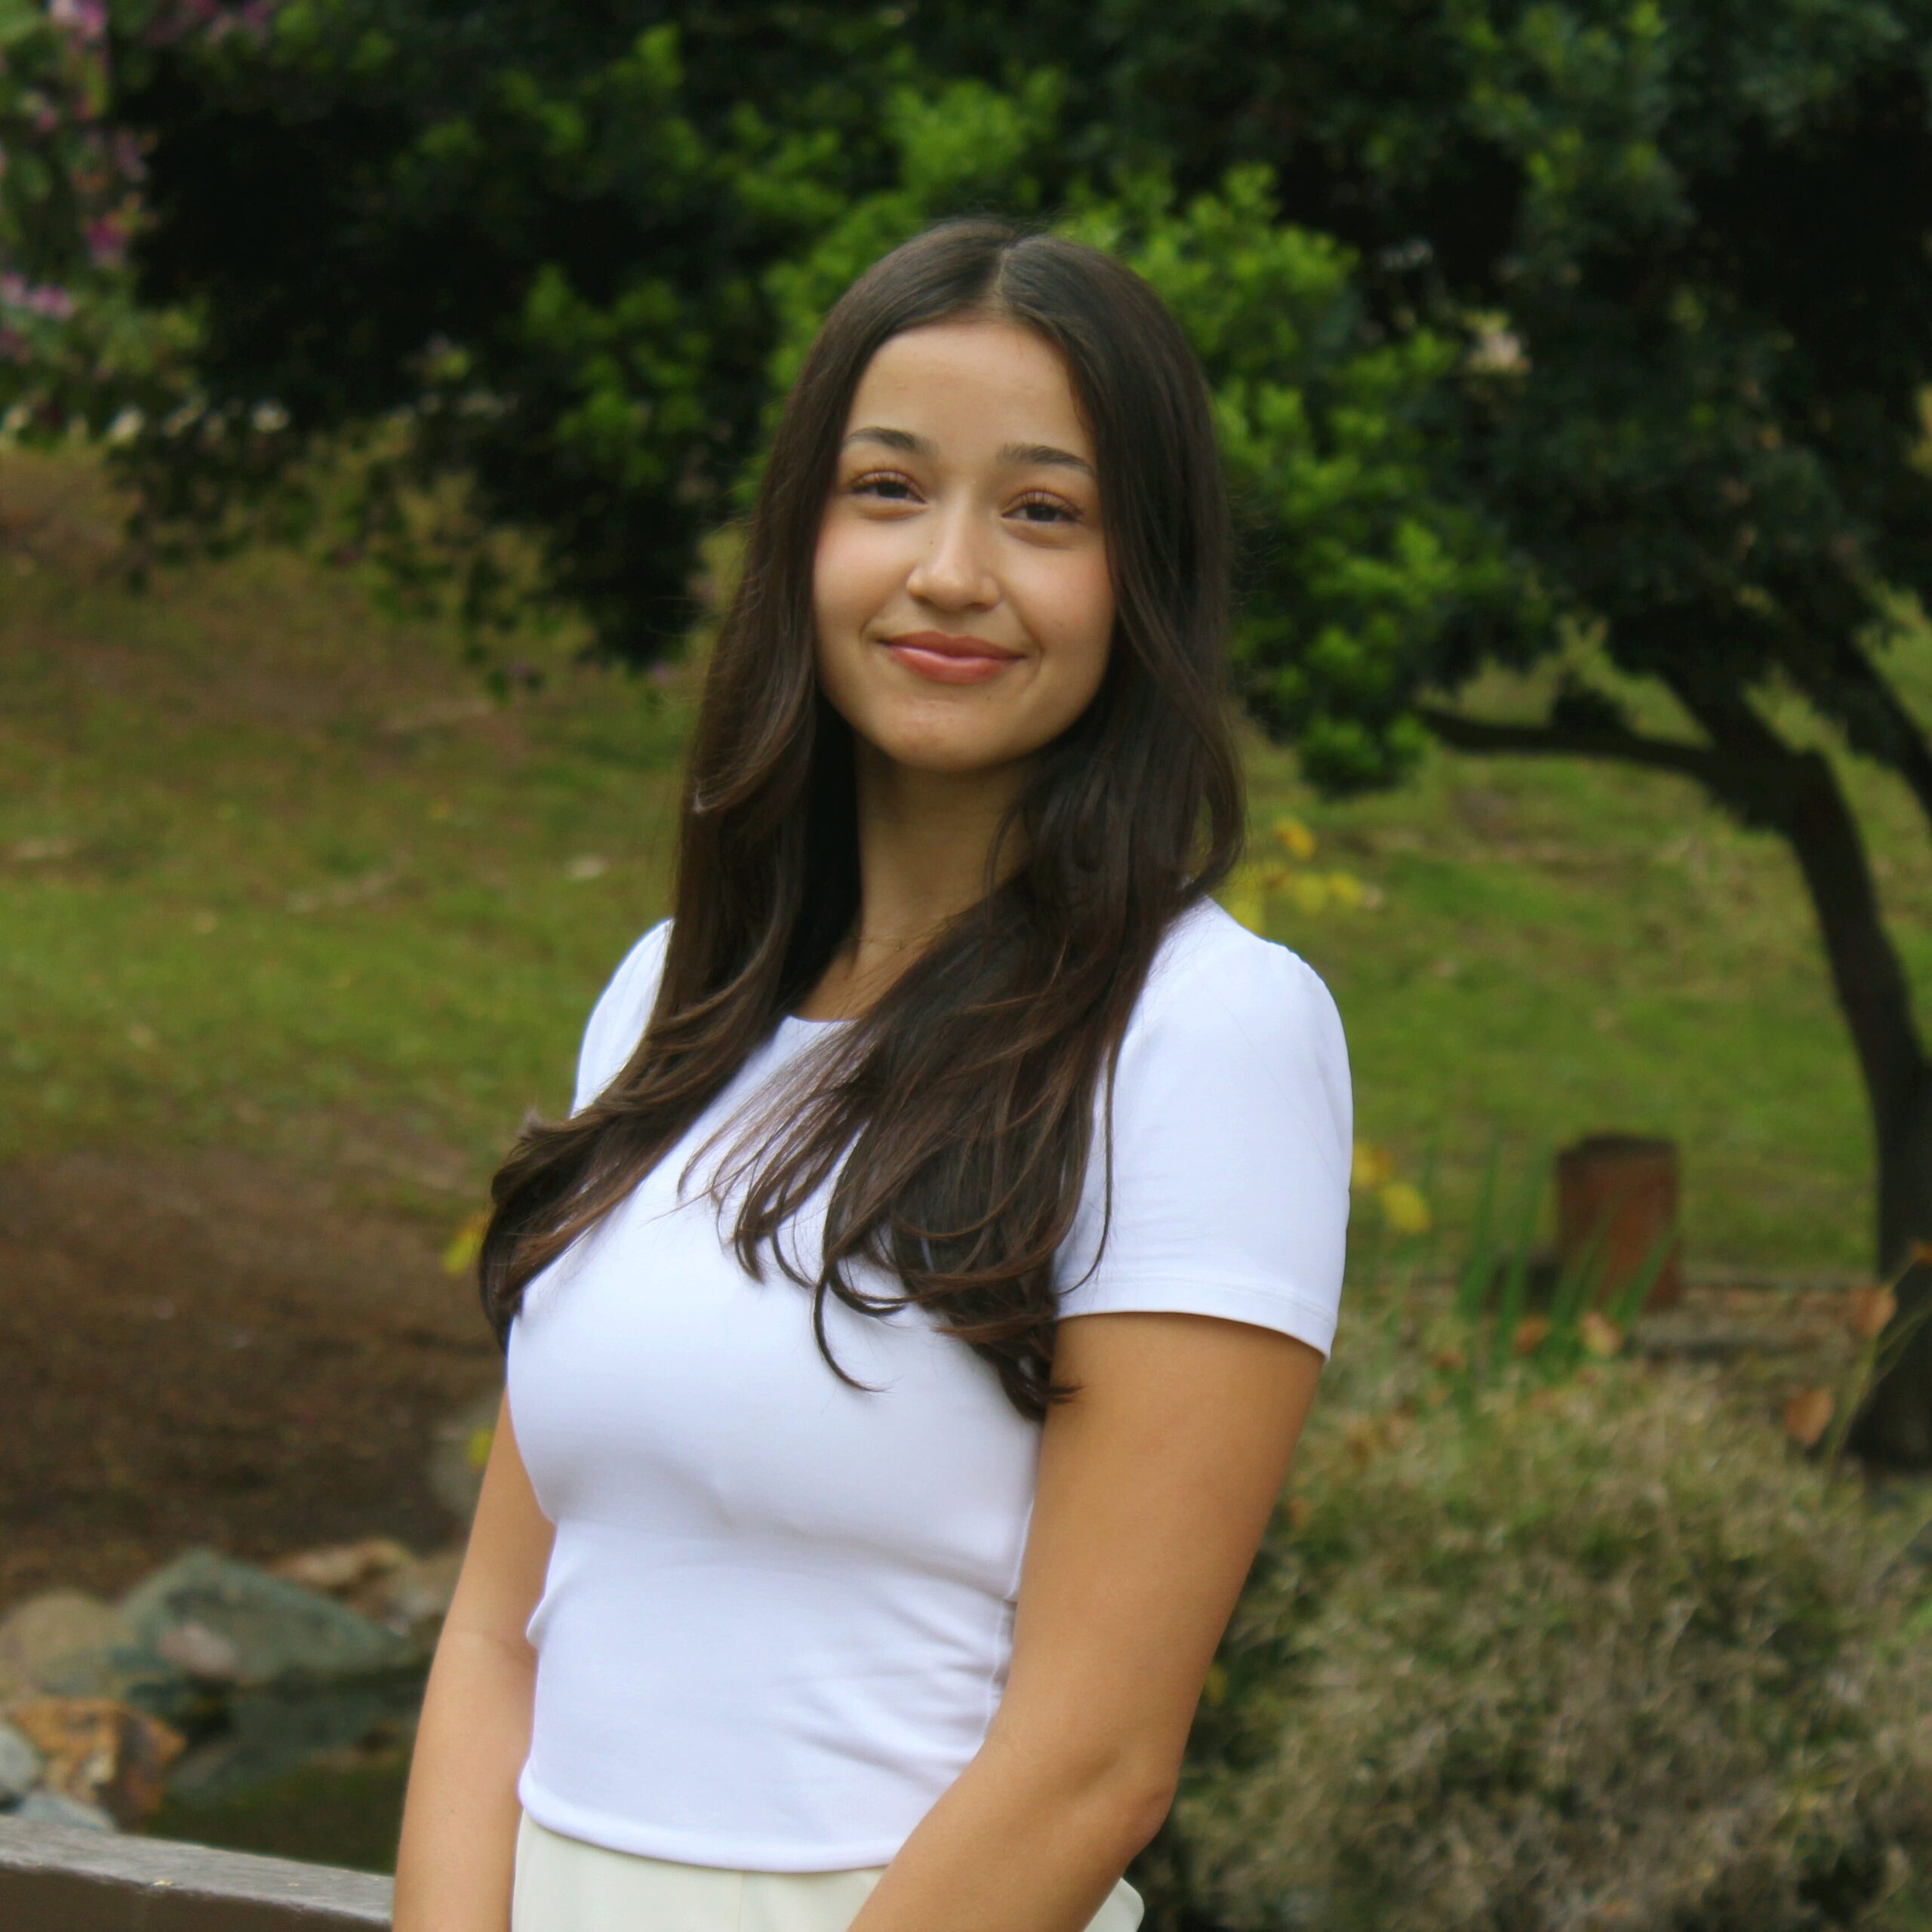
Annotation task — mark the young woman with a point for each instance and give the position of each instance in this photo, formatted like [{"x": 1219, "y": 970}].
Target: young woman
[{"x": 910, "y": 1328}]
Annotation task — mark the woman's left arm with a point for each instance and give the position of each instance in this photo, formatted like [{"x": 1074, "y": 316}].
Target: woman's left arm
[{"x": 1155, "y": 1485}]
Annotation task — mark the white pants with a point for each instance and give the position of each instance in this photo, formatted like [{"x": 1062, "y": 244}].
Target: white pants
[{"x": 563, "y": 1884}]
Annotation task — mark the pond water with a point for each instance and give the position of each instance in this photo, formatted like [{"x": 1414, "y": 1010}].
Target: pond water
[{"x": 344, "y": 1807}]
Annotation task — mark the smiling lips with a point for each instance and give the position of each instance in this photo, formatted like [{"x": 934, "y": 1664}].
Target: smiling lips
[{"x": 949, "y": 660}]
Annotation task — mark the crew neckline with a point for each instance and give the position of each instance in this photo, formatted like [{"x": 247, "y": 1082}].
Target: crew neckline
[{"x": 799, "y": 1019}]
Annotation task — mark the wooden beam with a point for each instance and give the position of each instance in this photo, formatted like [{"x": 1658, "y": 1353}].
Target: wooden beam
[{"x": 58, "y": 1879}]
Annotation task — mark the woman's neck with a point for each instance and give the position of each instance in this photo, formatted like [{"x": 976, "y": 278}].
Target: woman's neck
[{"x": 923, "y": 838}]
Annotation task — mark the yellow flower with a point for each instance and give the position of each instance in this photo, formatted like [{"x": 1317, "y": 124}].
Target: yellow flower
[
  {"x": 1296, "y": 836},
  {"x": 476, "y": 1449},
  {"x": 465, "y": 1244},
  {"x": 1404, "y": 1208},
  {"x": 1345, "y": 888},
  {"x": 1371, "y": 1165},
  {"x": 1311, "y": 891}
]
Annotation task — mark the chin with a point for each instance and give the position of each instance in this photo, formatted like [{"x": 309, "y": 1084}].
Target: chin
[{"x": 950, "y": 756}]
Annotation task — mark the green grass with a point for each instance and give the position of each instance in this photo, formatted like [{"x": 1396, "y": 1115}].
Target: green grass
[{"x": 292, "y": 917}]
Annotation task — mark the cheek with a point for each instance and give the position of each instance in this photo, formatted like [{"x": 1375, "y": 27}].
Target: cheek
[
  {"x": 854, "y": 570},
  {"x": 1072, "y": 613}
]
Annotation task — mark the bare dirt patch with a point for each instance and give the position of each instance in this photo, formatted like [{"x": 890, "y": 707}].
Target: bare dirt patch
[{"x": 208, "y": 1348}]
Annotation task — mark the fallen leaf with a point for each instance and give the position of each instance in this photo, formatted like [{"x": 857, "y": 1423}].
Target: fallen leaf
[
  {"x": 1601, "y": 1335},
  {"x": 1529, "y": 1334},
  {"x": 1806, "y": 1415},
  {"x": 1869, "y": 1310}
]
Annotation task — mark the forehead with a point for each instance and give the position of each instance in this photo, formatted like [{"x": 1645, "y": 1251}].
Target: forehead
[{"x": 966, "y": 384}]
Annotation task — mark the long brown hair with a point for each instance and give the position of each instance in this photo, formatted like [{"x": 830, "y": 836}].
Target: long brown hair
[{"x": 962, "y": 1101}]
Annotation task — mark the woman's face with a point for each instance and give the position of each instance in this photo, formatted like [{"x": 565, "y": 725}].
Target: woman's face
[{"x": 963, "y": 609}]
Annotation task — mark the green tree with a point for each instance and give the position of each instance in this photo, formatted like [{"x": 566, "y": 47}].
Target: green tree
[
  {"x": 1600, "y": 319},
  {"x": 77, "y": 353},
  {"x": 1687, "y": 244}
]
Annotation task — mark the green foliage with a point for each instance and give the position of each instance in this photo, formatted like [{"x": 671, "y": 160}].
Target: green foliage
[
  {"x": 961, "y": 148},
  {"x": 77, "y": 355},
  {"x": 530, "y": 244},
  {"x": 1600, "y": 1653},
  {"x": 1519, "y": 315},
  {"x": 1355, "y": 560}
]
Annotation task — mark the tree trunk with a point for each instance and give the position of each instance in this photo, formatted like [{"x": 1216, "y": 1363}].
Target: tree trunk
[
  {"x": 1894, "y": 1424},
  {"x": 1749, "y": 768}
]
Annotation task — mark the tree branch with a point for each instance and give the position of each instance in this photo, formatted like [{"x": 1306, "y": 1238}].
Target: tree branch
[
  {"x": 1877, "y": 724},
  {"x": 1465, "y": 733}
]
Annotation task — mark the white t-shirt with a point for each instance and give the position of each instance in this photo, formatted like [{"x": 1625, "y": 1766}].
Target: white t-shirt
[{"x": 778, "y": 1614}]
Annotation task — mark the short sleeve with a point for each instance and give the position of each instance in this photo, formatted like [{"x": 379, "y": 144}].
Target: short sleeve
[
  {"x": 616, "y": 1021},
  {"x": 1233, "y": 1138}
]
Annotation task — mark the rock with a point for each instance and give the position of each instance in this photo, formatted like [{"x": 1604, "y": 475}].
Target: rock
[
  {"x": 49, "y": 1807},
  {"x": 100, "y": 1753},
  {"x": 201, "y": 1652},
  {"x": 20, "y": 1764},
  {"x": 13, "y": 1686},
  {"x": 343, "y": 1567},
  {"x": 415, "y": 1597},
  {"x": 39, "y": 1634},
  {"x": 274, "y": 1630},
  {"x": 129, "y": 1674}
]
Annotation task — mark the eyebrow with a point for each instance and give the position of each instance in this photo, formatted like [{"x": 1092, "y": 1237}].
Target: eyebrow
[{"x": 1013, "y": 452}]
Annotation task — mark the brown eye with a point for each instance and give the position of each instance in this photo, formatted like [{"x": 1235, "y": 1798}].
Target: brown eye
[
  {"x": 878, "y": 482},
  {"x": 1059, "y": 510}
]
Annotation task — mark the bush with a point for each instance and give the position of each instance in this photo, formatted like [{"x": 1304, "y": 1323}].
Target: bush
[{"x": 1600, "y": 1654}]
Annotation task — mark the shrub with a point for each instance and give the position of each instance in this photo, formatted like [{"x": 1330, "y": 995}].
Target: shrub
[{"x": 1603, "y": 1653}]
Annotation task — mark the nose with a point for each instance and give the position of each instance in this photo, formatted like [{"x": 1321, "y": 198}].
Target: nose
[{"x": 950, "y": 572}]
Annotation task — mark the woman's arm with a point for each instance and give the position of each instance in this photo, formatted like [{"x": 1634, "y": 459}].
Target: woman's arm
[
  {"x": 1155, "y": 1483},
  {"x": 460, "y": 1815}
]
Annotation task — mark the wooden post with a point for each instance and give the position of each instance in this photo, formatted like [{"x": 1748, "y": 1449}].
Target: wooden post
[{"x": 1632, "y": 1180}]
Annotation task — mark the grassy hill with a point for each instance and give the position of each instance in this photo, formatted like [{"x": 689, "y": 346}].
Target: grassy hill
[{"x": 275, "y": 873}]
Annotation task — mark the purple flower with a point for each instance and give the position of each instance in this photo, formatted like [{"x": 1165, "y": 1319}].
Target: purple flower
[
  {"x": 127, "y": 159},
  {"x": 86, "y": 19},
  {"x": 107, "y": 243}
]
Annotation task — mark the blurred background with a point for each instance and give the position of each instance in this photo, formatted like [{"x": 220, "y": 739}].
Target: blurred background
[{"x": 379, "y": 386}]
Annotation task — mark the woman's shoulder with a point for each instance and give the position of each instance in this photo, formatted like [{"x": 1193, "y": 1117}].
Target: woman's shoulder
[
  {"x": 1211, "y": 976},
  {"x": 616, "y": 1021},
  {"x": 1235, "y": 1037}
]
